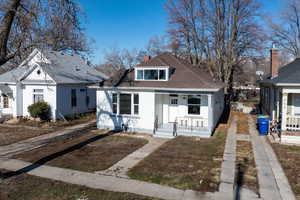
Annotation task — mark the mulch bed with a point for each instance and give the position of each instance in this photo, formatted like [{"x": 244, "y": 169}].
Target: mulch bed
[
  {"x": 28, "y": 187},
  {"x": 91, "y": 151}
]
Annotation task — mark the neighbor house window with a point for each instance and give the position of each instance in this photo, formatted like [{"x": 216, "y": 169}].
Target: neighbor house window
[
  {"x": 136, "y": 104},
  {"x": 73, "y": 98},
  {"x": 125, "y": 104},
  {"x": 194, "y": 103},
  {"x": 115, "y": 103},
  {"x": 151, "y": 74},
  {"x": 5, "y": 101},
  {"x": 38, "y": 95}
]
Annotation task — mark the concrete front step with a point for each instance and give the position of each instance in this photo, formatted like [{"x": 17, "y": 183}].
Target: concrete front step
[{"x": 163, "y": 134}]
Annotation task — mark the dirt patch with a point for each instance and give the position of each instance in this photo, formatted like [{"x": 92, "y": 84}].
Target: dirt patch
[
  {"x": 9, "y": 135},
  {"x": 25, "y": 129},
  {"x": 90, "y": 152},
  {"x": 184, "y": 163},
  {"x": 292, "y": 133},
  {"x": 245, "y": 164},
  {"x": 242, "y": 123},
  {"x": 289, "y": 157},
  {"x": 28, "y": 187}
]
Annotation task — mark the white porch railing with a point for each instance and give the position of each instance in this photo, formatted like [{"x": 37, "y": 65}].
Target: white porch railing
[
  {"x": 293, "y": 123},
  {"x": 191, "y": 122}
]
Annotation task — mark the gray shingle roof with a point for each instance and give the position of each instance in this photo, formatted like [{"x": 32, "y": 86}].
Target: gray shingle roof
[
  {"x": 5, "y": 89},
  {"x": 289, "y": 74},
  {"x": 64, "y": 68}
]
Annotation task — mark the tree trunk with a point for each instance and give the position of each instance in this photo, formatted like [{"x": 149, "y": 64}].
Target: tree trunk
[{"x": 6, "y": 25}]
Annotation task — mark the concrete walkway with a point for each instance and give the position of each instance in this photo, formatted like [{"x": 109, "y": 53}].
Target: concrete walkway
[
  {"x": 104, "y": 182},
  {"x": 273, "y": 183},
  {"x": 121, "y": 168},
  {"x": 36, "y": 142}
]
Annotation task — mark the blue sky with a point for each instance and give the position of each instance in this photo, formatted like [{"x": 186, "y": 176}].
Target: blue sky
[{"x": 131, "y": 23}]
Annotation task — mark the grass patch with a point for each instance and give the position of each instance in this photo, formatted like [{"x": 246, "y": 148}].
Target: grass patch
[
  {"x": 289, "y": 157},
  {"x": 184, "y": 163},
  {"x": 89, "y": 152},
  {"x": 246, "y": 163},
  {"x": 28, "y": 187},
  {"x": 242, "y": 123}
]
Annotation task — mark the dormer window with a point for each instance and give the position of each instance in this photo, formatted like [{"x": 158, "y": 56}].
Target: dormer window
[{"x": 151, "y": 74}]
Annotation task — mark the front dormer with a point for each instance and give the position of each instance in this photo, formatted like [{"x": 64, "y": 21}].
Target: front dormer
[{"x": 152, "y": 73}]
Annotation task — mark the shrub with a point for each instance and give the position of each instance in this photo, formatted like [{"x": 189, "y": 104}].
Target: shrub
[{"x": 39, "y": 110}]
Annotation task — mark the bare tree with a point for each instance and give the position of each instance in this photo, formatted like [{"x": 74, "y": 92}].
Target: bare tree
[
  {"x": 285, "y": 32},
  {"x": 49, "y": 24},
  {"x": 216, "y": 34}
]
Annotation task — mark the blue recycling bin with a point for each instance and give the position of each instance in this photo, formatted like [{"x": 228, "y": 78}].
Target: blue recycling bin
[
  {"x": 263, "y": 126},
  {"x": 260, "y": 118}
]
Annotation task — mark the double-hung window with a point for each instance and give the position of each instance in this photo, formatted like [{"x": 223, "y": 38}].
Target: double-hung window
[
  {"x": 136, "y": 104},
  {"x": 125, "y": 104},
  {"x": 73, "y": 98},
  {"x": 5, "y": 101},
  {"x": 194, "y": 104},
  {"x": 38, "y": 95}
]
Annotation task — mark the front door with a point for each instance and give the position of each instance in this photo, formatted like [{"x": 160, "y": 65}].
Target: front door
[
  {"x": 173, "y": 108},
  {"x": 296, "y": 104}
]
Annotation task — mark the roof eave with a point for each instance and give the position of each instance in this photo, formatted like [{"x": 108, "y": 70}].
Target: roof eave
[{"x": 160, "y": 88}]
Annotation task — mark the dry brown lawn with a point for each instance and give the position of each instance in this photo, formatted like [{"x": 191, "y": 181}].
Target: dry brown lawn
[
  {"x": 90, "y": 152},
  {"x": 25, "y": 129},
  {"x": 242, "y": 123},
  {"x": 9, "y": 135},
  {"x": 184, "y": 163},
  {"x": 246, "y": 165},
  {"x": 28, "y": 187},
  {"x": 289, "y": 157}
]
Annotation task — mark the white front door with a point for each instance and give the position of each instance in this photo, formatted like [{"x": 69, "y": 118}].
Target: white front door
[
  {"x": 296, "y": 104},
  {"x": 173, "y": 108}
]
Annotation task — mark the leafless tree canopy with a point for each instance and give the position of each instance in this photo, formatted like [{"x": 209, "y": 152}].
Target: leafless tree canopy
[
  {"x": 49, "y": 24},
  {"x": 286, "y": 30},
  {"x": 217, "y": 34}
]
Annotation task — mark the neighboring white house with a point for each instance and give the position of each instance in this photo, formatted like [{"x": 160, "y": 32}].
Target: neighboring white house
[
  {"x": 59, "y": 79},
  {"x": 280, "y": 93},
  {"x": 162, "y": 96}
]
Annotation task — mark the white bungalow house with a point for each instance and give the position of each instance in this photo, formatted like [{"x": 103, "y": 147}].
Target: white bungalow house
[
  {"x": 164, "y": 96},
  {"x": 280, "y": 93},
  {"x": 57, "y": 78}
]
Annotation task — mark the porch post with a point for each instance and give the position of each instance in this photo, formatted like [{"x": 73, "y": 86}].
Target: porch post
[
  {"x": 284, "y": 111},
  {"x": 210, "y": 113}
]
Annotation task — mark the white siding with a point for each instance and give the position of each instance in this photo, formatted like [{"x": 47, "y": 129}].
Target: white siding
[
  {"x": 49, "y": 93},
  {"x": 42, "y": 76},
  {"x": 144, "y": 121}
]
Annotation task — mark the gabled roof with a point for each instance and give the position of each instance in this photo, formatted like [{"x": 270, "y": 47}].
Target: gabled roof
[
  {"x": 62, "y": 68},
  {"x": 183, "y": 76},
  {"x": 287, "y": 75}
]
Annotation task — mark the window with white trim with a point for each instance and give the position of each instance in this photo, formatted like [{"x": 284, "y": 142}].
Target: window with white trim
[
  {"x": 125, "y": 104},
  {"x": 136, "y": 104},
  {"x": 194, "y": 104},
  {"x": 5, "y": 101},
  {"x": 38, "y": 95},
  {"x": 115, "y": 103},
  {"x": 156, "y": 74}
]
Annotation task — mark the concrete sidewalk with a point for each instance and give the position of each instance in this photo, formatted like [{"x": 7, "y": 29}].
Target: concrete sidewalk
[
  {"x": 273, "y": 183},
  {"x": 36, "y": 142},
  {"x": 121, "y": 168},
  {"x": 103, "y": 182}
]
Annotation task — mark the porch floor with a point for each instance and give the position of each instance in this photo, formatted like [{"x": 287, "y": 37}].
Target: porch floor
[{"x": 166, "y": 130}]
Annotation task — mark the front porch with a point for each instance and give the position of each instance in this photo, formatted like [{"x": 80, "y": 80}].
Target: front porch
[
  {"x": 183, "y": 114},
  {"x": 290, "y": 106}
]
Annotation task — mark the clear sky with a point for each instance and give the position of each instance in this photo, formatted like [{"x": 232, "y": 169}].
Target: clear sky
[{"x": 131, "y": 23}]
